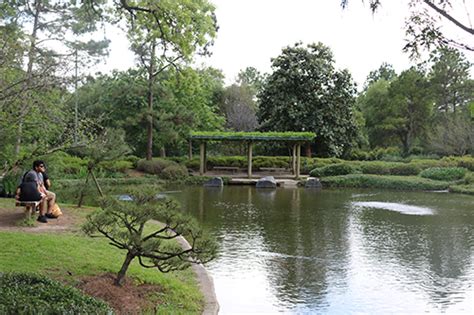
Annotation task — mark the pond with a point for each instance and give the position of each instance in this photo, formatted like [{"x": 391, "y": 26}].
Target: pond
[{"x": 300, "y": 251}]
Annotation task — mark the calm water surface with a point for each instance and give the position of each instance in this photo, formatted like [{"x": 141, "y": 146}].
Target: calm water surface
[{"x": 300, "y": 251}]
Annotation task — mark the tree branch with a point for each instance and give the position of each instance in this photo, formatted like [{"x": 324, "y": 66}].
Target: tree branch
[{"x": 449, "y": 17}]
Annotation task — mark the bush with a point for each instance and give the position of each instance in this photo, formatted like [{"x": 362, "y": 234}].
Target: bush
[
  {"x": 22, "y": 293},
  {"x": 133, "y": 159},
  {"x": 116, "y": 166},
  {"x": 376, "y": 167},
  {"x": 444, "y": 173},
  {"x": 386, "y": 182},
  {"x": 333, "y": 170},
  {"x": 174, "y": 172},
  {"x": 155, "y": 166},
  {"x": 462, "y": 189},
  {"x": 405, "y": 169},
  {"x": 460, "y": 161}
]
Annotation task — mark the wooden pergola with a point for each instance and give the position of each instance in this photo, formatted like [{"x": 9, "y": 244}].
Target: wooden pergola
[{"x": 296, "y": 139}]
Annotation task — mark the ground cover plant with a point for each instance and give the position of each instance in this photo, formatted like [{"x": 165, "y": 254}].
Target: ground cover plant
[{"x": 23, "y": 293}]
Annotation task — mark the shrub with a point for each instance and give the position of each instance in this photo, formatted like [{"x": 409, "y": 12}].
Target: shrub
[
  {"x": 155, "y": 166},
  {"x": 444, "y": 173},
  {"x": 133, "y": 159},
  {"x": 462, "y": 189},
  {"x": 376, "y": 167},
  {"x": 334, "y": 169},
  {"x": 116, "y": 166},
  {"x": 405, "y": 169},
  {"x": 386, "y": 182},
  {"x": 174, "y": 172},
  {"x": 22, "y": 293}
]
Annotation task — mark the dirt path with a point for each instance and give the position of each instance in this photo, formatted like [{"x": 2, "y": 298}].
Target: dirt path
[{"x": 11, "y": 217}]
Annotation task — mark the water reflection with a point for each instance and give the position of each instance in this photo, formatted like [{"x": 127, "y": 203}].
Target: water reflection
[{"x": 338, "y": 252}]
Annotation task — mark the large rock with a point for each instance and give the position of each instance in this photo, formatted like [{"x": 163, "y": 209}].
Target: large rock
[
  {"x": 266, "y": 182},
  {"x": 215, "y": 182},
  {"x": 313, "y": 182}
]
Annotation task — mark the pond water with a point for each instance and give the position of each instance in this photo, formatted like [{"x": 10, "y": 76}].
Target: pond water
[{"x": 300, "y": 251}]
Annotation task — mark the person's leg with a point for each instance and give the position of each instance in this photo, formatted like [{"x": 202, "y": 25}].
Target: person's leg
[
  {"x": 42, "y": 210},
  {"x": 51, "y": 197}
]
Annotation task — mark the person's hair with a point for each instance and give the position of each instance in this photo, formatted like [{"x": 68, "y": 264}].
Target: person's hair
[
  {"x": 37, "y": 163},
  {"x": 30, "y": 178}
]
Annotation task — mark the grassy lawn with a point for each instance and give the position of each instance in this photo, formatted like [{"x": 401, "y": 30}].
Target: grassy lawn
[{"x": 69, "y": 256}]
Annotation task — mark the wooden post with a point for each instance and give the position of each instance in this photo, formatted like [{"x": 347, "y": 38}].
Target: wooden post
[
  {"x": 298, "y": 161},
  {"x": 190, "y": 150},
  {"x": 293, "y": 160},
  {"x": 249, "y": 159},
  {"x": 202, "y": 149}
]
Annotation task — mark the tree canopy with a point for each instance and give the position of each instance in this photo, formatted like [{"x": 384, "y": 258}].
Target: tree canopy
[{"x": 306, "y": 93}]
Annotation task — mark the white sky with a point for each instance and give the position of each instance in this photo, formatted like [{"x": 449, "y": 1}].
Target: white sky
[{"x": 254, "y": 31}]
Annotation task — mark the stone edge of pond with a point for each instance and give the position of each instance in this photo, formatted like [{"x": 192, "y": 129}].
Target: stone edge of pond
[{"x": 206, "y": 284}]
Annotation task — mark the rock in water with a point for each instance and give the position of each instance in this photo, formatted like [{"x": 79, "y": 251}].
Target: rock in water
[{"x": 266, "y": 182}]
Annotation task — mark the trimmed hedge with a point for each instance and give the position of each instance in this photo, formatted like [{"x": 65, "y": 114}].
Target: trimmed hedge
[
  {"x": 335, "y": 169},
  {"x": 445, "y": 173},
  {"x": 22, "y": 293},
  {"x": 462, "y": 189},
  {"x": 386, "y": 182}
]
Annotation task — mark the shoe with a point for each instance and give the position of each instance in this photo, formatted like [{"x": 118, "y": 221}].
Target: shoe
[
  {"x": 42, "y": 219},
  {"x": 51, "y": 216}
]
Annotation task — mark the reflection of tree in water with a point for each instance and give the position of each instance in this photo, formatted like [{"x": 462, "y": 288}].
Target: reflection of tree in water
[
  {"x": 307, "y": 245},
  {"x": 433, "y": 253}
]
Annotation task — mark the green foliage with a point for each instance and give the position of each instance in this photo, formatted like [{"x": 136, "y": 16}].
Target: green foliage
[
  {"x": 155, "y": 166},
  {"x": 462, "y": 189},
  {"x": 334, "y": 170},
  {"x": 446, "y": 173},
  {"x": 466, "y": 161},
  {"x": 116, "y": 166},
  {"x": 123, "y": 224},
  {"x": 261, "y": 136},
  {"x": 22, "y": 293},
  {"x": 174, "y": 172},
  {"x": 386, "y": 182},
  {"x": 306, "y": 92}
]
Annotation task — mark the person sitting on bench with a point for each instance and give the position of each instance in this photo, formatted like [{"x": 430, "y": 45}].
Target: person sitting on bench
[
  {"x": 28, "y": 191},
  {"x": 49, "y": 200}
]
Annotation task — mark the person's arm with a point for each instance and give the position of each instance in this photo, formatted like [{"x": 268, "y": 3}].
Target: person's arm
[
  {"x": 17, "y": 194},
  {"x": 47, "y": 184}
]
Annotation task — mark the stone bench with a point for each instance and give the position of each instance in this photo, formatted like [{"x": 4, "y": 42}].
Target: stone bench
[
  {"x": 273, "y": 169},
  {"x": 30, "y": 207},
  {"x": 232, "y": 169}
]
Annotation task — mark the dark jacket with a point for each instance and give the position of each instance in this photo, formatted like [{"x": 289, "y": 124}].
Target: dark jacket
[{"x": 29, "y": 192}]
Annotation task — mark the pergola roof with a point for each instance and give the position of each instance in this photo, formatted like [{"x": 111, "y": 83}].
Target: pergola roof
[{"x": 253, "y": 136}]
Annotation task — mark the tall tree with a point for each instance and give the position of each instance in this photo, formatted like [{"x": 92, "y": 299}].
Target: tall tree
[
  {"x": 239, "y": 108},
  {"x": 385, "y": 71},
  {"x": 450, "y": 79},
  {"x": 163, "y": 34},
  {"x": 411, "y": 104},
  {"x": 306, "y": 92},
  {"x": 375, "y": 106}
]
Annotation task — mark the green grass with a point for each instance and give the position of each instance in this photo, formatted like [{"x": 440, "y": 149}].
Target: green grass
[{"x": 59, "y": 255}]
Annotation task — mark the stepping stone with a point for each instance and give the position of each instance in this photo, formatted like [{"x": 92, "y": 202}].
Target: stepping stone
[
  {"x": 313, "y": 182},
  {"x": 215, "y": 182},
  {"x": 266, "y": 182}
]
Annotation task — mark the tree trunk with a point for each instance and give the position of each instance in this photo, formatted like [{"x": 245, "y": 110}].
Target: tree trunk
[
  {"x": 29, "y": 70},
  {"x": 151, "y": 81},
  {"x": 123, "y": 270},
  {"x": 308, "y": 150},
  {"x": 162, "y": 152},
  {"x": 81, "y": 197}
]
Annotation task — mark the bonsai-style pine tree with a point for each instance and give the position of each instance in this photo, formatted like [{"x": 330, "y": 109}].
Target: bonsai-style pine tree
[{"x": 147, "y": 228}]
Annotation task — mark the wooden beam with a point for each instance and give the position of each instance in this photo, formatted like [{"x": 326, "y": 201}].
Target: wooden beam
[
  {"x": 202, "y": 149},
  {"x": 293, "y": 160},
  {"x": 298, "y": 161},
  {"x": 249, "y": 159}
]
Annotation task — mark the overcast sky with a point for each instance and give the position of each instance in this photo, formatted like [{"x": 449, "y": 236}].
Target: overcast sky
[{"x": 251, "y": 32}]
